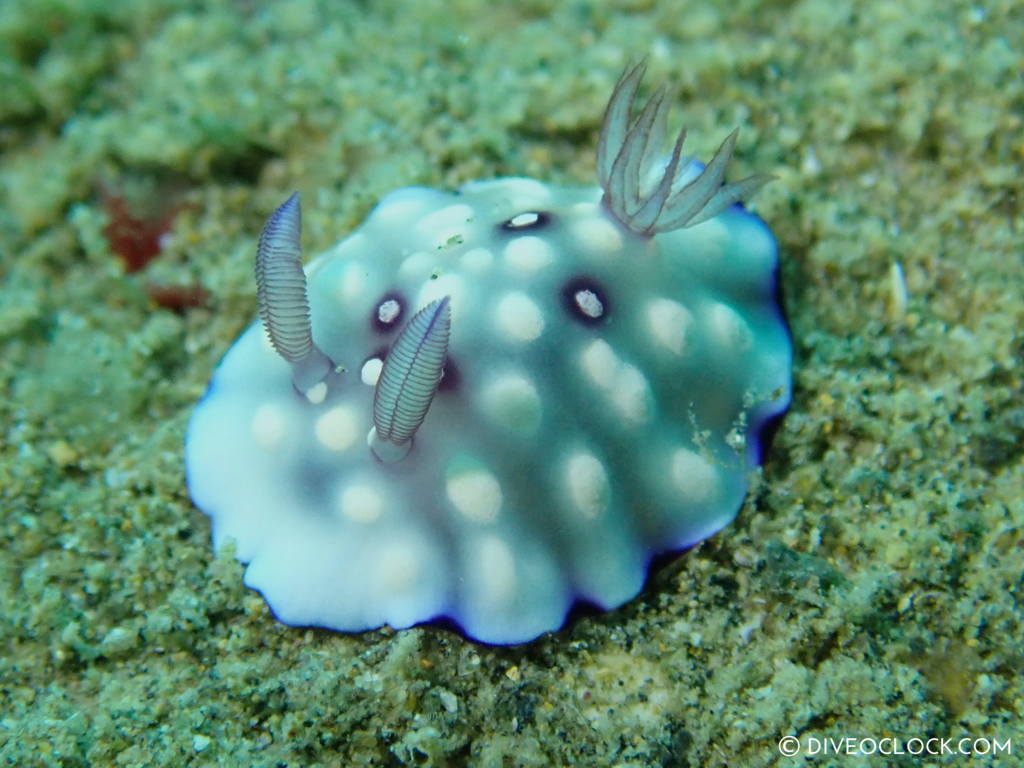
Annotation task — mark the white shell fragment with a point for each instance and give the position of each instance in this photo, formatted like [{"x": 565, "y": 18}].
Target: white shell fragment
[{"x": 598, "y": 399}]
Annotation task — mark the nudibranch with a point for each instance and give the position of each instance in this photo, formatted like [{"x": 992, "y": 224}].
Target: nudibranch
[{"x": 488, "y": 405}]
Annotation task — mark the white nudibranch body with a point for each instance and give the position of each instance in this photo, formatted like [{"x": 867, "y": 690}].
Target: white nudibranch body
[{"x": 487, "y": 405}]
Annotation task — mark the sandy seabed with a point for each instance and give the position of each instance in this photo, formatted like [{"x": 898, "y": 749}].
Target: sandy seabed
[{"x": 870, "y": 586}]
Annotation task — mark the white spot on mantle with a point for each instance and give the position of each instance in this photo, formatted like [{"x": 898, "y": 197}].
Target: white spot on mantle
[
  {"x": 370, "y": 371},
  {"x": 338, "y": 428},
  {"x": 268, "y": 426},
  {"x": 361, "y": 504},
  {"x": 512, "y": 401},
  {"x": 588, "y": 484},
  {"x": 496, "y": 571},
  {"x": 669, "y": 323},
  {"x": 696, "y": 480},
  {"x": 528, "y": 253},
  {"x": 519, "y": 319},
  {"x": 476, "y": 494}
]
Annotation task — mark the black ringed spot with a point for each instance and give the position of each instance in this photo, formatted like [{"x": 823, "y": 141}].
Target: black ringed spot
[
  {"x": 586, "y": 300},
  {"x": 387, "y": 312},
  {"x": 527, "y": 221}
]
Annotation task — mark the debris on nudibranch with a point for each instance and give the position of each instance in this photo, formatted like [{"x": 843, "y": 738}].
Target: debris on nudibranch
[{"x": 488, "y": 405}]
